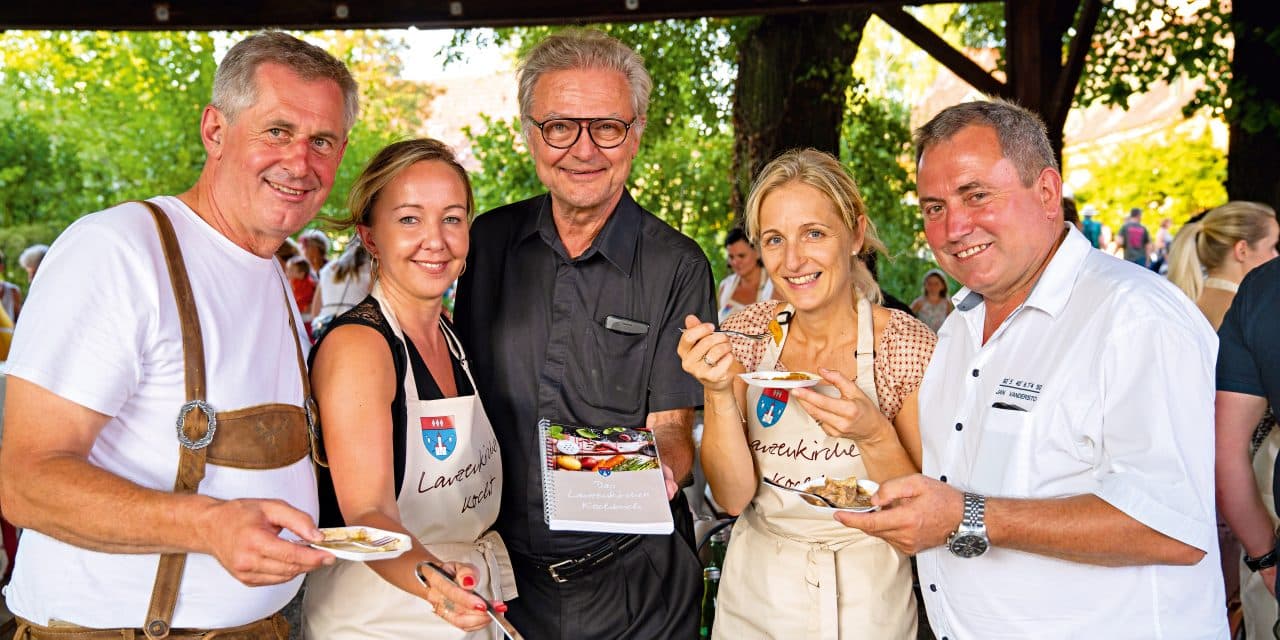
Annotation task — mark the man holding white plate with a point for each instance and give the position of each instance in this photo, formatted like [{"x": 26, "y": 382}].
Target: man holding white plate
[{"x": 1067, "y": 416}]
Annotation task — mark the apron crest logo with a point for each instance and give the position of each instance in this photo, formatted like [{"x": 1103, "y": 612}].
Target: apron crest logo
[
  {"x": 771, "y": 405},
  {"x": 439, "y": 436}
]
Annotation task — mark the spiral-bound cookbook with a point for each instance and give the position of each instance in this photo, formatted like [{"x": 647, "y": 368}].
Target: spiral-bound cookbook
[{"x": 605, "y": 479}]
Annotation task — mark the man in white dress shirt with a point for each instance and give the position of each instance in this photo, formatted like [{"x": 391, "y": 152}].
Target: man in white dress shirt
[{"x": 1066, "y": 416}]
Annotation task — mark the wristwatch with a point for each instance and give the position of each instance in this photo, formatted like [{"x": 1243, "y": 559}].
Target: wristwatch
[
  {"x": 1265, "y": 561},
  {"x": 970, "y": 540}
]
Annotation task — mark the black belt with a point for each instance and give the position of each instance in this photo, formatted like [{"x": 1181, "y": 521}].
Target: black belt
[{"x": 565, "y": 569}]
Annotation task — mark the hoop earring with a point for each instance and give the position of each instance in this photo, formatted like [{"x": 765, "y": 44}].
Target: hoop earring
[
  {"x": 373, "y": 270},
  {"x": 464, "y": 268}
]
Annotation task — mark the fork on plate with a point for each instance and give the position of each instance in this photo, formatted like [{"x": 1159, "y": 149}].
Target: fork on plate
[{"x": 372, "y": 545}]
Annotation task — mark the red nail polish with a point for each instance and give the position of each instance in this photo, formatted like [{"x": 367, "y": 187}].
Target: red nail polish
[
  {"x": 480, "y": 607},
  {"x": 468, "y": 582},
  {"x": 501, "y": 607}
]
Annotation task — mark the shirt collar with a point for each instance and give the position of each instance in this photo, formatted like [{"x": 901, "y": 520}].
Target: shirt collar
[
  {"x": 1051, "y": 292},
  {"x": 616, "y": 240}
]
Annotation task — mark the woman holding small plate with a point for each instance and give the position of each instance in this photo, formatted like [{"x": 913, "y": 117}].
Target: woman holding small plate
[
  {"x": 409, "y": 446},
  {"x": 856, "y": 415}
]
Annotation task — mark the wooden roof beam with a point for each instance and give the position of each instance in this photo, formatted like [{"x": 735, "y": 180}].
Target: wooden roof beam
[
  {"x": 1065, "y": 90},
  {"x": 163, "y": 15},
  {"x": 943, "y": 52}
]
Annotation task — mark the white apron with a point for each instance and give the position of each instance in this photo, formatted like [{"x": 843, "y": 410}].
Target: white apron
[
  {"x": 449, "y": 499},
  {"x": 795, "y": 572}
]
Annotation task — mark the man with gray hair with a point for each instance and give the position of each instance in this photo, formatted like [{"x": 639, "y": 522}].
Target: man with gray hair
[
  {"x": 1066, "y": 416},
  {"x": 133, "y": 529},
  {"x": 571, "y": 307}
]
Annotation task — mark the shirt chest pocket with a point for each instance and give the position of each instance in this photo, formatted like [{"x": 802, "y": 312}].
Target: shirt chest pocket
[
  {"x": 612, "y": 370},
  {"x": 1003, "y": 459}
]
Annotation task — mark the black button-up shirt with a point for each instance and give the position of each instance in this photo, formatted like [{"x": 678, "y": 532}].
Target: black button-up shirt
[{"x": 532, "y": 320}]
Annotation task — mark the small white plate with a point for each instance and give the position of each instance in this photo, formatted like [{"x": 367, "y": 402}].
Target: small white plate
[
  {"x": 870, "y": 486},
  {"x": 773, "y": 379},
  {"x": 392, "y": 550}
]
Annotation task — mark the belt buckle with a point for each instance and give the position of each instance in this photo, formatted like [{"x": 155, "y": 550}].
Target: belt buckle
[
  {"x": 209, "y": 413},
  {"x": 551, "y": 569}
]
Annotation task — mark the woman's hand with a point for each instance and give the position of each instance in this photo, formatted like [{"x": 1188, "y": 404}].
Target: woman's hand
[
  {"x": 707, "y": 355},
  {"x": 457, "y": 604},
  {"x": 853, "y": 415}
]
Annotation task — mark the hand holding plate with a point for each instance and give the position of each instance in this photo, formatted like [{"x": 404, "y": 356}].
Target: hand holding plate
[
  {"x": 853, "y": 415},
  {"x": 917, "y": 513}
]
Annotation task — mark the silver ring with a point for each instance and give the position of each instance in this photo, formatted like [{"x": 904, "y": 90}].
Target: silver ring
[{"x": 709, "y": 361}]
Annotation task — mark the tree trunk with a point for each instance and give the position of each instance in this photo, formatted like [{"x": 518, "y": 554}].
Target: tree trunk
[
  {"x": 793, "y": 73},
  {"x": 1254, "y": 118}
]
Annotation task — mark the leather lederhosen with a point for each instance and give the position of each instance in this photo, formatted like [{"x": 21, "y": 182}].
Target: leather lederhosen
[{"x": 265, "y": 436}]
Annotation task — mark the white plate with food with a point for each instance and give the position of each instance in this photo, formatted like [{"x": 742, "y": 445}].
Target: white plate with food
[
  {"x": 836, "y": 495},
  {"x": 362, "y": 544},
  {"x": 780, "y": 379}
]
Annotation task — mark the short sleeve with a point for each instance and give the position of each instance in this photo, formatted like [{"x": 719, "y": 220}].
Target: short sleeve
[
  {"x": 1156, "y": 436},
  {"x": 903, "y": 352},
  {"x": 88, "y": 316},
  {"x": 750, "y": 319},
  {"x": 670, "y": 387},
  {"x": 1237, "y": 370}
]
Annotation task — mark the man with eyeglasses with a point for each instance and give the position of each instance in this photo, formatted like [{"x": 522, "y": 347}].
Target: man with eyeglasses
[{"x": 570, "y": 307}]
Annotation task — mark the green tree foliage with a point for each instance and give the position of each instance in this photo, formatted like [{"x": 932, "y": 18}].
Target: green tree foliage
[
  {"x": 876, "y": 146},
  {"x": 89, "y": 119},
  {"x": 115, "y": 111},
  {"x": 682, "y": 171},
  {"x": 391, "y": 109},
  {"x": 38, "y": 177},
  {"x": 1160, "y": 40},
  {"x": 1187, "y": 179}
]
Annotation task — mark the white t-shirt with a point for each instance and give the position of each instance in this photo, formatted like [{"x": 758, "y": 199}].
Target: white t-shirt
[
  {"x": 335, "y": 296},
  {"x": 728, "y": 306},
  {"x": 102, "y": 331},
  {"x": 1114, "y": 369}
]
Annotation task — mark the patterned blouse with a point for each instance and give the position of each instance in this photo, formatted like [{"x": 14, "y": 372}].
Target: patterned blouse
[{"x": 902, "y": 352}]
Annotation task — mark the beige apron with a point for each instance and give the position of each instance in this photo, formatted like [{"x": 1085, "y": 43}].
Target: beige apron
[
  {"x": 1259, "y": 605},
  {"x": 792, "y": 571},
  {"x": 449, "y": 498}
]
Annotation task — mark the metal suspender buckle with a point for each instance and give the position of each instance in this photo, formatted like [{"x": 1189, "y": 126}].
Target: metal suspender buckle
[{"x": 209, "y": 413}]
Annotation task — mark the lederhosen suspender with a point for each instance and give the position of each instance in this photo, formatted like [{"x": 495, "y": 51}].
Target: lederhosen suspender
[{"x": 265, "y": 436}]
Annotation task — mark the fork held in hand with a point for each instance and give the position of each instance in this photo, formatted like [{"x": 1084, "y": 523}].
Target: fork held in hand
[{"x": 749, "y": 336}]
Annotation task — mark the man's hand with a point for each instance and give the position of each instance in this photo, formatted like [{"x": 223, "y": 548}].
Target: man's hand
[
  {"x": 243, "y": 535},
  {"x": 916, "y": 513},
  {"x": 669, "y": 477}
]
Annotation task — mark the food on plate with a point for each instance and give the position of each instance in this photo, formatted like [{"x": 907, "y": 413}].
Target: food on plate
[
  {"x": 795, "y": 375},
  {"x": 569, "y": 463},
  {"x": 844, "y": 493},
  {"x": 347, "y": 539}
]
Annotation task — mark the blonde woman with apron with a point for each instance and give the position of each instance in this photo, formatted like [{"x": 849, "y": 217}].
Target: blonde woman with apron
[
  {"x": 433, "y": 470},
  {"x": 793, "y": 571}
]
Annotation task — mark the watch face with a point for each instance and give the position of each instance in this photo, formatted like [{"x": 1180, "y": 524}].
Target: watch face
[{"x": 968, "y": 545}]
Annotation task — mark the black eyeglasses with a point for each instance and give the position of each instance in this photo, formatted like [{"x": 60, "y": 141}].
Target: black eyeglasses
[{"x": 562, "y": 133}]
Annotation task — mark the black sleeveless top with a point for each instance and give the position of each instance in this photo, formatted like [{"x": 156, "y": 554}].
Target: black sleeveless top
[{"x": 369, "y": 313}]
